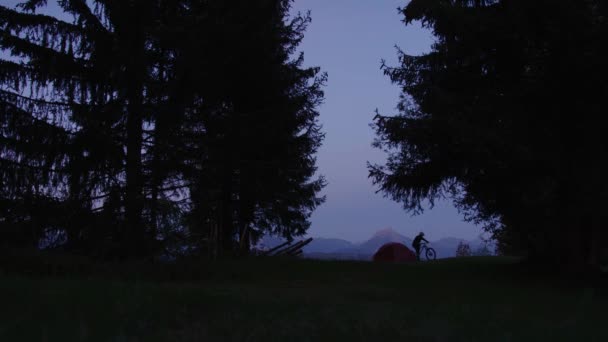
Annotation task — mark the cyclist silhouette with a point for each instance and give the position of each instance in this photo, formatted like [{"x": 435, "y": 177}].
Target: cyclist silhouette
[{"x": 416, "y": 243}]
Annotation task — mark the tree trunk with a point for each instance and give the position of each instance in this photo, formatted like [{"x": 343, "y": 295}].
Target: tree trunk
[
  {"x": 134, "y": 203},
  {"x": 156, "y": 174},
  {"x": 227, "y": 220},
  {"x": 135, "y": 73},
  {"x": 244, "y": 241},
  {"x": 594, "y": 243}
]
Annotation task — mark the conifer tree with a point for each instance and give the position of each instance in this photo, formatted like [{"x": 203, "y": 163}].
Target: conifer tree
[
  {"x": 503, "y": 115},
  {"x": 86, "y": 80},
  {"x": 258, "y": 126}
]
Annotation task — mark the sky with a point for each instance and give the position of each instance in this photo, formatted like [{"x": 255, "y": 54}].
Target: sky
[{"x": 348, "y": 39}]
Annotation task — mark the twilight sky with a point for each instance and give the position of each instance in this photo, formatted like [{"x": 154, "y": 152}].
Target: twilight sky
[{"x": 347, "y": 39}]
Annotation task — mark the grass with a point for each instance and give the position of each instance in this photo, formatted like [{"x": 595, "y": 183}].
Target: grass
[{"x": 476, "y": 299}]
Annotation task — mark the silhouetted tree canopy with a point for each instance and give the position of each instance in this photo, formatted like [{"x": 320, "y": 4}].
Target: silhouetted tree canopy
[
  {"x": 135, "y": 128},
  {"x": 505, "y": 116}
]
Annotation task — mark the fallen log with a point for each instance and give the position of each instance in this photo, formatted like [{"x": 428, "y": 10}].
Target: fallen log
[
  {"x": 294, "y": 247},
  {"x": 268, "y": 252},
  {"x": 296, "y": 253}
]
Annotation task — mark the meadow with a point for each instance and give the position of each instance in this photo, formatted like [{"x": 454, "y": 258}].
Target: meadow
[{"x": 468, "y": 299}]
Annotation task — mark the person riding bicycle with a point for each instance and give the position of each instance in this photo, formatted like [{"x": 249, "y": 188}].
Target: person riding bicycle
[{"x": 416, "y": 243}]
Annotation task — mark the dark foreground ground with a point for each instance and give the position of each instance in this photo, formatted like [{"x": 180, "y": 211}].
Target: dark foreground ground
[{"x": 476, "y": 299}]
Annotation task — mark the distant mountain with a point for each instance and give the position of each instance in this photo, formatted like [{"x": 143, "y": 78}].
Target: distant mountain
[
  {"x": 338, "y": 256},
  {"x": 380, "y": 238},
  {"x": 322, "y": 245},
  {"x": 270, "y": 241},
  {"x": 365, "y": 250},
  {"x": 446, "y": 247},
  {"x": 324, "y": 248}
]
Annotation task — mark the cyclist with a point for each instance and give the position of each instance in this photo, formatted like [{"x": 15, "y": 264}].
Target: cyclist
[{"x": 416, "y": 243}]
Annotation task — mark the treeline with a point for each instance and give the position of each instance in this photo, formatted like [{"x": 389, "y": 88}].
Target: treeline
[
  {"x": 154, "y": 127},
  {"x": 506, "y": 115}
]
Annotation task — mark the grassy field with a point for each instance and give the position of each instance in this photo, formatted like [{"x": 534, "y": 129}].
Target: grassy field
[{"x": 476, "y": 299}]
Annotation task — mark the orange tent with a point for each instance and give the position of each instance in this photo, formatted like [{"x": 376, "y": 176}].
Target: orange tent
[{"x": 394, "y": 252}]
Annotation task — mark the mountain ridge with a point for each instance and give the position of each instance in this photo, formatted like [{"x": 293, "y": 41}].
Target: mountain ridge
[{"x": 335, "y": 248}]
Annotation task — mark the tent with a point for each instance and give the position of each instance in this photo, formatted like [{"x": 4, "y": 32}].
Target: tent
[{"x": 394, "y": 252}]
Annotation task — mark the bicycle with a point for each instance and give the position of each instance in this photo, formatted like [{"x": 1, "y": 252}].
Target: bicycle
[{"x": 427, "y": 251}]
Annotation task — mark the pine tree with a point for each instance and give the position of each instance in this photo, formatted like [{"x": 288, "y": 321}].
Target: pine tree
[
  {"x": 86, "y": 81},
  {"x": 487, "y": 117},
  {"x": 258, "y": 128}
]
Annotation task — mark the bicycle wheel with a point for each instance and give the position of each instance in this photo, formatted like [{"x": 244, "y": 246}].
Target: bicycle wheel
[{"x": 430, "y": 254}]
